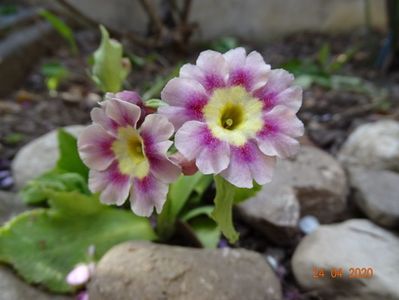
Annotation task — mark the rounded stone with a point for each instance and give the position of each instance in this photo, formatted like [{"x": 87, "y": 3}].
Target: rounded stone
[
  {"x": 150, "y": 271},
  {"x": 356, "y": 243}
]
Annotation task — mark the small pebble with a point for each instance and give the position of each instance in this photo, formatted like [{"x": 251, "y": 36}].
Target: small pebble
[
  {"x": 308, "y": 224},
  {"x": 6, "y": 183}
]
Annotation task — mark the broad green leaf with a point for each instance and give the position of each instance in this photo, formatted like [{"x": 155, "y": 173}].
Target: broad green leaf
[
  {"x": 61, "y": 27},
  {"x": 223, "y": 212},
  {"x": 206, "y": 231},
  {"x": 38, "y": 189},
  {"x": 242, "y": 194},
  {"x": 69, "y": 159},
  {"x": 109, "y": 69},
  {"x": 179, "y": 194},
  {"x": 43, "y": 245}
]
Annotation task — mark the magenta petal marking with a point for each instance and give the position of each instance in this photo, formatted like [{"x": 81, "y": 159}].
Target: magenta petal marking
[
  {"x": 195, "y": 105},
  {"x": 241, "y": 77},
  {"x": 113, "y": 186}
]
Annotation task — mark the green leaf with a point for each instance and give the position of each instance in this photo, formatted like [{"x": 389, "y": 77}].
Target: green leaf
[
  {"x": 242, "y": 194},
  {"x": 202, "y": 210},
  {"x": 223, "y": 212},
  {"x": 206, "y": 231},
  {"x": 224, "y": 44},
  {"x": 54, "y": 73},
  {"x": 109, "y": 69},
  {"x": 324, "y": 55},
  {"x": 179, "y": 194},
  {"x": 61, "y": 27},
  {"x": 69, "y": 159},
  {"x": 38, "y": 189},
  {"x": 43, "y": 245}
]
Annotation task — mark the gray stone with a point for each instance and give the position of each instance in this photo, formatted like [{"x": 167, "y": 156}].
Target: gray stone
[
  {"x": 149, "y": 271},
  {"x": 10, "y": 206},
  {"x": 373, "y": 145},
  {"x": 355, "y": 243},
  {"x": 13, "y": 288},
  {"x": 274, "y": 211},
  {"x": 312, "y": 183},
  {"x": 319, "y": 183},
  {"x": 38, "y": 156},
  {"x": 377, "y": 195},
  {"x": 250, "y": 20}
]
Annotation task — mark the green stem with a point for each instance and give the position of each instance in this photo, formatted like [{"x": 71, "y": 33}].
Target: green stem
[{"x": 223, "y": 212}]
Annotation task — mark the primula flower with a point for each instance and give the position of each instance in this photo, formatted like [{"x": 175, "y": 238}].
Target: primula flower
[
  {"x": 234, "y": 115},
  {"x": 124, "y": 159}
]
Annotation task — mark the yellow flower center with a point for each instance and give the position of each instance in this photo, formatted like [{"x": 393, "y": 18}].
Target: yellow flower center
[
  {"x": 233, "y": 115},
  {"x": 129, "y": 151}
]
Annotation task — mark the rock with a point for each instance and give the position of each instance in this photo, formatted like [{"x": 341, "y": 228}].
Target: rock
[
  {"x": 38, "y": 156},
  {"x": 319, "y": 183},
  {"x": 13, "y": 288},
  {"x": 10, "y": 206},
  {"x": 377, "y": 195},
  {"x": 373, "y": 145},
  {"x": 314, "y": 179},
  {"x": 274, "y": 211},
  {"x": 149, "y": 271},
  {"x": 355, "y": 243}
]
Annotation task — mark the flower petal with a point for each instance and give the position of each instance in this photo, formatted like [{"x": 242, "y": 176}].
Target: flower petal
[
  {"x": 247, "y": 163},
  {"x": 146, "y": 194},
  {"x": 99, "y": 117},
  {"x": 122, "y": 112},
  {"x": 257, "y": 66},
  {"x": 188, "y": 139},
  {"x": 130, "y": 96},
  {"x": 235, "y": 57},
  {"x": 94, "y": 146},
  {"x": 277, "y": 136},
  {"x": 79, "y": 275},
  {"x": 113, "y": 186},
  {"x": 214, "y": 157},
  {"x": 157, "y": 128},
  {"x": 211, "y": 70},
  {"x": 175, "y": 114},
  {"x": 249, "y": 71},
  {"x": 183, "y": 92},
  {"x": 279, "y": 91}
]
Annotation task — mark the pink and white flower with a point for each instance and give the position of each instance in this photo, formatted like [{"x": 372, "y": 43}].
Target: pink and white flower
[
  {"x": 126, "y": 161},
  {"x": 234, "y": 115}
]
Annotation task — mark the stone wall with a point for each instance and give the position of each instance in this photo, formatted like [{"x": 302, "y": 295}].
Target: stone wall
[{"x": 257, "y": 20}]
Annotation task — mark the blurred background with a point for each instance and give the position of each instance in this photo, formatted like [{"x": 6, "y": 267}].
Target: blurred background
[{"x": 344, "y": 53}]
